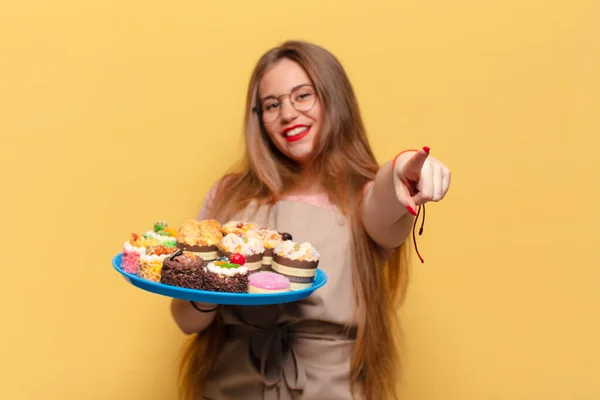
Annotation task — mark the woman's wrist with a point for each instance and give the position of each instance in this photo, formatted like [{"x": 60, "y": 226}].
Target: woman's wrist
[{"x": 205, "y": 307}]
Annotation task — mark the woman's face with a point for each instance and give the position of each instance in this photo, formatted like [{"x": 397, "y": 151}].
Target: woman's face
[{"x": 291, "y": 110}]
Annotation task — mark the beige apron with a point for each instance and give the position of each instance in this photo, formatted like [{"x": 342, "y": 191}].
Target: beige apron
[{"x": 295, "y": 350}]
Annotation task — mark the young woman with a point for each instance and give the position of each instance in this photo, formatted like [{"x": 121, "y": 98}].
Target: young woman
[{"x": 309, "y": 171}]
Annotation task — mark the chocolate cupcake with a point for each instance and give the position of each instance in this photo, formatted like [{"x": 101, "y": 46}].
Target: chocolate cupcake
[
  {"x": 183, "y": 269},
  {"x": 248, "y": 246},
  {"x": 296, "y": 261},
  {"x": 200, "y": 238},
  {"x": 223, "y": 276}
]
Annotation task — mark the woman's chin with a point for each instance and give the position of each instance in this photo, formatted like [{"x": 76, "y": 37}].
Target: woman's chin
[
  {"x": 301, "y": 158},
  {"x": 301, "y": 153}
]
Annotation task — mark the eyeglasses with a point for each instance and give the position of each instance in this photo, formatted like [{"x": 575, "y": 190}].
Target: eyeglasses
[{"x": 302, "y": 98}]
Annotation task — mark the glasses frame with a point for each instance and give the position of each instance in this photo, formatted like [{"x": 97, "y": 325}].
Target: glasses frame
[{"x": 258, "y": 109}]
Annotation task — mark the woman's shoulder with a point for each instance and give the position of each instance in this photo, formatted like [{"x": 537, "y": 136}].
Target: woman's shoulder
[
  {"x": 222, "y": 183},
  {"x": 367, "y": 186},
  {"x": 214, "y": 192}
]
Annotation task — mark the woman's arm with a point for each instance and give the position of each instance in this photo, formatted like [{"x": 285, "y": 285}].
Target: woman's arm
[
  {"x": 190, "y": 320},
  {"x": 185, "y": 315},
  {"x": 400, "y": 186},
  {"x": 386, "y": 220}
]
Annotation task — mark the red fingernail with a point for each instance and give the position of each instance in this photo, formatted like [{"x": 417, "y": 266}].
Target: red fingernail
[
  {"x": 411, "y": 210},
  {"x": 426, "y": 149}
]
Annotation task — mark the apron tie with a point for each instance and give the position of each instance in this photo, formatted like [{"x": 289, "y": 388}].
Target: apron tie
[
  {"x": 275, "y": 360},
  {"x": 278, "y": 362}
]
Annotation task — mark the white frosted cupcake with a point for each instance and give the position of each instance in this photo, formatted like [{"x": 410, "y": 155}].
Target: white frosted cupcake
[
  {"x": 224, "y": 276},
  {"x": 248, "y": 246},
  {"x": 296, "y": 261},
  {"x": 240, "y": 228},
  {"x": 269, "y": 239},
  {"x": 165, "y": 235}
]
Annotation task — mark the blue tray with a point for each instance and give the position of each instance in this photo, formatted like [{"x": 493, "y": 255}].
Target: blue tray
[{"x": 203, "y": 296}]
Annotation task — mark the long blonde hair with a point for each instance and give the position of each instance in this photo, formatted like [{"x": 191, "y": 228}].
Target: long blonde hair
[{"x": 344, "y": 163}]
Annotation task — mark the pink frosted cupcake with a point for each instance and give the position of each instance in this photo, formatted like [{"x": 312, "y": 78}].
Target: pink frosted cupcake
[
  {"x": 132, "y": 250},
  {"x": 265, "y": 282}
]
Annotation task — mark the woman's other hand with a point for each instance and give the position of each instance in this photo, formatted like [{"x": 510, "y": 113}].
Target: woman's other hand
[{"x": 419, "y": 178}]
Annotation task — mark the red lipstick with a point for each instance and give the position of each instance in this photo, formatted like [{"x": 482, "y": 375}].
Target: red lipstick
[{"x": 297, "y": 137}]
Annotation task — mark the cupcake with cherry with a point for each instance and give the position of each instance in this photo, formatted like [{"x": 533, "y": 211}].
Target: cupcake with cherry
[
  {"x": 246, "y": 245},
  {"x": 226, "y": 274}
]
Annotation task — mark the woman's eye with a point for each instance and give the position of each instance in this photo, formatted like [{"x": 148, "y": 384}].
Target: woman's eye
[
  {"x": 302, "y": 96},
  {"x": 271, "y": 106}
]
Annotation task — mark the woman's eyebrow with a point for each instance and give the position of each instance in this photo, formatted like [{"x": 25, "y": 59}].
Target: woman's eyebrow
[{"x": 272, "y": 96}]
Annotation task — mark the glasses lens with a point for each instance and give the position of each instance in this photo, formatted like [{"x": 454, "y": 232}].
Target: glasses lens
[
  {"x": 270, "y": 110},
  {"x": 304, "y": 98}
]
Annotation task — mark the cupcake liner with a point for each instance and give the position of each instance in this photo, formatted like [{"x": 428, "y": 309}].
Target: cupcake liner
[
  {"x": 268, "y": 253},
  {"x": 207, "y": 253},
  {"x": 300, "y": 273},
  {"x": 254, "y": 262},
  {"x": 267, "y": 260}
]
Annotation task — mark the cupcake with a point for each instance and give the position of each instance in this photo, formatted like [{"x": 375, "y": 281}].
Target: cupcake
[
  {"x": 200, "y": 238},
  {"x": 165, "y": 235},
  {"x": 132, "y": 250},
  {"x": 269, "y": 239},
  {"x": 296, "y": 261},
  {"x": 151, "y": 262},
  {"x": 248, "y": 246},
  {"x": 265, "y": 282},
  {"x": 224, "y": 276},
  {"x": 239, "y": 227},
  {"x": 182, "y": 269}
]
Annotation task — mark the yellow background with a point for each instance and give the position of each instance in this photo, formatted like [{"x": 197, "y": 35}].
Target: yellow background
[{"x": 116, "y": 114}]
